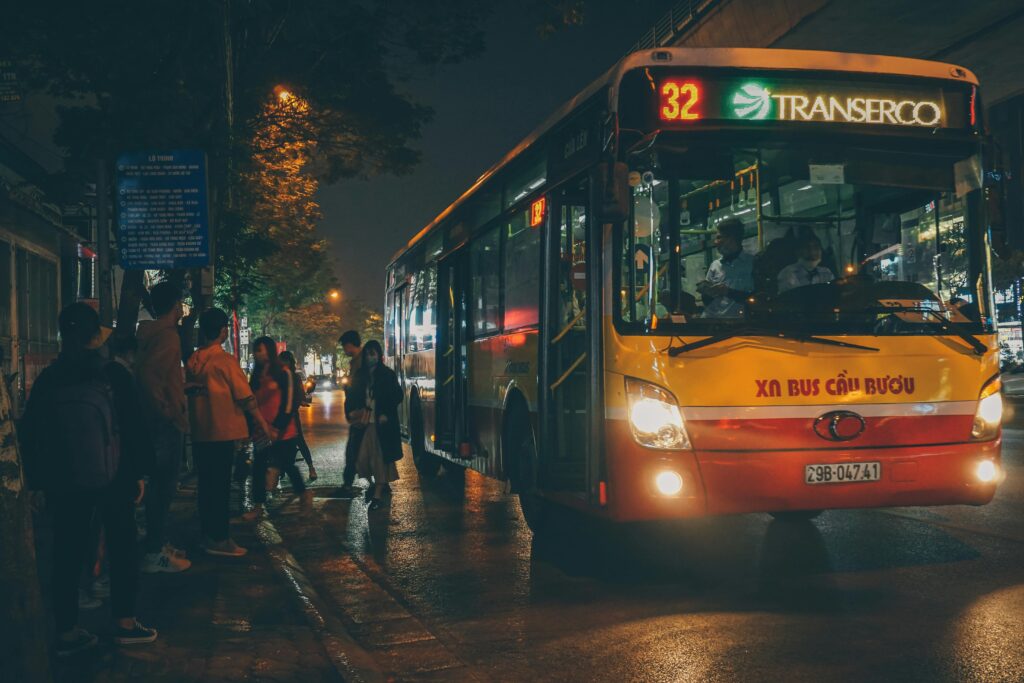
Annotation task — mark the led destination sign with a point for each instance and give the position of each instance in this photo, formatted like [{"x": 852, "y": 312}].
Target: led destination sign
[{"x": 684, "y": 100}]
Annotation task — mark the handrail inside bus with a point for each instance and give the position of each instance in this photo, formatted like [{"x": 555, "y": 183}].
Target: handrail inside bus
[
  {"x": 565, "y": 375},
  {"x": 572, "y": 323}
]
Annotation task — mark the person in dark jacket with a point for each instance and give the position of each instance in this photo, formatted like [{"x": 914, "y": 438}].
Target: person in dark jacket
[
  {"x": 288, "y": 359},
  {"x": 57, "y": 464},
  {"x": 352, "y": 345},
  {"x": 373, "y": 401}
]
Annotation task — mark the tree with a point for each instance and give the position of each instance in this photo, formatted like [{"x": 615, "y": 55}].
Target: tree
[{"x": 179, "y": 73}]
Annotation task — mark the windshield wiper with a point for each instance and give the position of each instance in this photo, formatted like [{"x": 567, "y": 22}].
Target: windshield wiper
[
  {"x": 763, "y": 332},
  {"x": 943, "y": 324}
]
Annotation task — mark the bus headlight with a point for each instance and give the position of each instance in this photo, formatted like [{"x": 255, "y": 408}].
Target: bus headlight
[
  {"x": 989, "y": 414},
  {"x": 654, "y": 416}
]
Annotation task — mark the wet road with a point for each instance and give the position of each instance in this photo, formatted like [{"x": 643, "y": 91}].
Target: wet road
[{"x": 448, "y": 584}]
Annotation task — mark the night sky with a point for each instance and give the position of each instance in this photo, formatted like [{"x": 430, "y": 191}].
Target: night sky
[{"x": 483, "y": 108}]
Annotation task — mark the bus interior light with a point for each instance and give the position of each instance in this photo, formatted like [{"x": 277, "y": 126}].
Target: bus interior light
[
  {"x": 654, "y": 416},
  {"x": 989, "y": 414}
]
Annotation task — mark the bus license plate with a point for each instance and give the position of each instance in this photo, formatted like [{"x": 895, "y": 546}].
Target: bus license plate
[{"x": 842, "y": 473}]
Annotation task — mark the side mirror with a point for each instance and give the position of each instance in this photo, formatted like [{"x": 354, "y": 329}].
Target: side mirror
[{"x": 611, "y": 186}]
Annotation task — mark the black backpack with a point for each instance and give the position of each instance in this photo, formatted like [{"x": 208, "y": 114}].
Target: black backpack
[{"x": 83, "y": 431}]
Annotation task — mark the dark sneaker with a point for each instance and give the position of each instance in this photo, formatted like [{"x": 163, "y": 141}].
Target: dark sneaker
[
  {"x": 136, "y": 635},
  {"x": 226, "y": 548},
  {"x": 86, "y": 601},
  {"x": 74, "y": 641}
]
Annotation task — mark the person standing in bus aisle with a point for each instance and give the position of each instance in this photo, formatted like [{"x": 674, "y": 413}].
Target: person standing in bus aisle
[
  {"x": 219, "y": 398},
  {"x": 807, "y": 270},
  {"x": 162, "y": 381},
  {"x": 730, "y": 278},
  {"x": 288, "y": 358},
  {"x": 351, "y": 344}
]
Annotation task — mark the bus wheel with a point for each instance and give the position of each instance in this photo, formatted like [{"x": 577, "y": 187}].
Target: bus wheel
[
  {"x": 796, "y": 515},
  {"x": 427, "y": 464},
  {"x": 520, "y": 443}
]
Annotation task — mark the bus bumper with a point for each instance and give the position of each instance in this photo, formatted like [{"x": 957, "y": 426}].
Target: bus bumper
[
  {"x": 912, "y": 475},
  {"x": 732, "y": 482}
]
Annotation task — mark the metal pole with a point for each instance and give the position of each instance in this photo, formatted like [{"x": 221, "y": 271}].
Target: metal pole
[{"x": 103, "y": 245}]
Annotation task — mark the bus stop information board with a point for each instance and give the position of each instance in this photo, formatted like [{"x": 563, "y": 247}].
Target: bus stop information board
[{"x": 162, "y": 217}]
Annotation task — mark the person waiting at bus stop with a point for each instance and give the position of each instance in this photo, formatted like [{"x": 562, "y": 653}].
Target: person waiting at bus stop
[
  {"x": 373, "y": 403},
  {"x": 730, "y": 278},
  {"x": 351, "y": 344},
  {"x": 85, "y": 446},
  {"x": 272, "y": 384}
]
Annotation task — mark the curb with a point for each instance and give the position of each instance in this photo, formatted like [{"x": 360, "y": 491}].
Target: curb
[{"x": 353, "y": 663}]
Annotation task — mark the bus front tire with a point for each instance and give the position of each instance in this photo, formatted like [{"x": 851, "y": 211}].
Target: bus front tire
[{"x": 427, "y": 464}]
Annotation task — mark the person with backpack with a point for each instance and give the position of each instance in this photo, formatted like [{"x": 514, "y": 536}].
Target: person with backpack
[
  {"x": 219, "y": 401},
  {"x": 288, "y": 358},
  {"x": 272, "y": 384},
  {"x": 85, "y": 447},
  {"x": 162, "y": 380}
]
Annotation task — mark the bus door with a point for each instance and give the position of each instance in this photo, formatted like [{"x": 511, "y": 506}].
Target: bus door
[
  {"x": 401, "y": 333},
  {"x": 451, "y": 350},
  {"x": 563, "y": 461}
]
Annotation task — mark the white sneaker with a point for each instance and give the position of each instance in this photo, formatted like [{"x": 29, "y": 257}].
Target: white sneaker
[
  {"x": 86, "y": 601},
  {"x": 154, "y": 563},
  {"x": 225, "y": 548}
]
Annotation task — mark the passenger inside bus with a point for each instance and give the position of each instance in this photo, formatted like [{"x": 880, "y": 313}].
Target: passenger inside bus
[
  {"x": 746, "y": 244},
  {"x": 807, "y": 269},
  {"x": 730, "y": 278}
]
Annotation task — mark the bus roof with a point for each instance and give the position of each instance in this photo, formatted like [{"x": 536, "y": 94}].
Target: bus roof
[{"x": 736, "y": 57}]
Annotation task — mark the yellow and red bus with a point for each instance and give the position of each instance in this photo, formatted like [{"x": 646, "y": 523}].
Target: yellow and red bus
[{"x": 717, "y": 281}]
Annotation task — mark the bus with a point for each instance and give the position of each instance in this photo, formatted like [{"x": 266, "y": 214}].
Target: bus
[{"x": 717, "y": 281}]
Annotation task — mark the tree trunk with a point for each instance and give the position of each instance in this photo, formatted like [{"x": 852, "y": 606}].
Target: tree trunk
[
  {"x": 187, "y": 330},
  {"x": 23, "y": 636},
  {"x": 132, "y": 292}
]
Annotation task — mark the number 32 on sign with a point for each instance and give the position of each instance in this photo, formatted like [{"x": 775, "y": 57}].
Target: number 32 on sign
[{"x": 679, "y": 100}]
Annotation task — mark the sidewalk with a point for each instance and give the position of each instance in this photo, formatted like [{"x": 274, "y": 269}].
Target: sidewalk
[{"x": 224, "y": 619}]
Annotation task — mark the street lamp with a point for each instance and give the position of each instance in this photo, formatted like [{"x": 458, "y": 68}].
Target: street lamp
[
  {"x": 283, "y": 93},
  {"x": 334, "y": 295}
]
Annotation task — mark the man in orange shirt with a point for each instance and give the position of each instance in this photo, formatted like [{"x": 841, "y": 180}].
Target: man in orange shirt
[{"x": 219, "y": 399}]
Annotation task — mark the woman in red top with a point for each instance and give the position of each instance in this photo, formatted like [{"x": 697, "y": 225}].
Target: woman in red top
[{"x": 272, "y": 384}]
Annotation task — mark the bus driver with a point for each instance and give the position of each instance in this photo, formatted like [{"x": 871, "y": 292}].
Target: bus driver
[
  {"x": 730, "y": 279},
  {"x": 808, "y": 269}
]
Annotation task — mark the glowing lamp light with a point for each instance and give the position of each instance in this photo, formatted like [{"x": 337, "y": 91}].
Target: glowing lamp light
[
  {"x": 986, "y": 472},
  {"x": 284, "y": 94},
  {"x": 668, "y": 483}
]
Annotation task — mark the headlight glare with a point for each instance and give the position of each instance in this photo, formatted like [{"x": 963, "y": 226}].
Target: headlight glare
[
  {"x": 989, "y": 414},
  {"x": 654, "y": 416}
]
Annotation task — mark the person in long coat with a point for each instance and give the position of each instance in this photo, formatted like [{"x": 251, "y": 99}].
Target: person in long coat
[{"x": 373, "y": 401}]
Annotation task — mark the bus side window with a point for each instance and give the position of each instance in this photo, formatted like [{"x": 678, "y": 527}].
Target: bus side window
[{"x": 485, "y": 283}]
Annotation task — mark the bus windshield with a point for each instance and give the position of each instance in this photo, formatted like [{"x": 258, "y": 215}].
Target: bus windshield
[{"x": 842, "y": 241}]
